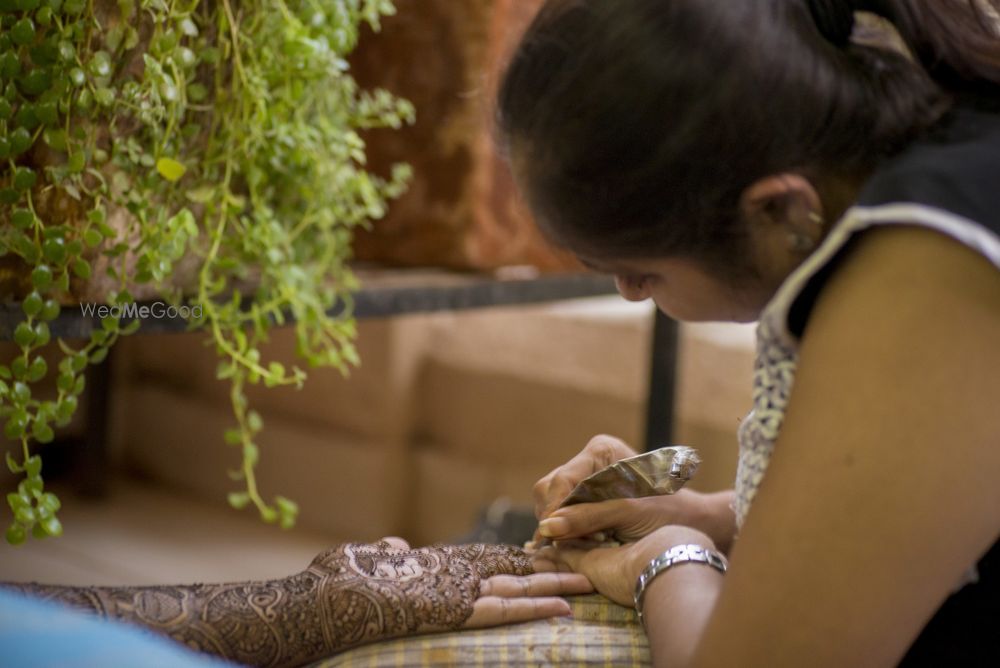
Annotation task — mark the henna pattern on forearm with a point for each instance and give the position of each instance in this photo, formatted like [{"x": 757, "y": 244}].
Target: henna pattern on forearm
[{"x": 349, "y": 595}]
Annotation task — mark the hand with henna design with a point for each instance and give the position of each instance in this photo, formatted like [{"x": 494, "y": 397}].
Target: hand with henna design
[{"x": 349, "y": 595}]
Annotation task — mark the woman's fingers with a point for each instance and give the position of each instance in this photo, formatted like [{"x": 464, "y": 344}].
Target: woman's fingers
[
  {"x": 540, "y": 584},
  {"x": 586, "y": 519},
  {"x": 601, "y": 451},
  {"x": 495, "y": 610},
  {"x": 544, "y": 564},
  {"x": 564, "y": 558}
]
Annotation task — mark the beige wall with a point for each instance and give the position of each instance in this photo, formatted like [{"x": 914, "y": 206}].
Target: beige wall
[{"x": 447, "y": 413}]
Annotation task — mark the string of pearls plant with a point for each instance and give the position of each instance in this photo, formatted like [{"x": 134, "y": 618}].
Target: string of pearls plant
[{"x": 206, "y": 151}]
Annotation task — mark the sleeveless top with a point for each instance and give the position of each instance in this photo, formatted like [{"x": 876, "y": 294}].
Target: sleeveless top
[{"x": 948, "y": 181}]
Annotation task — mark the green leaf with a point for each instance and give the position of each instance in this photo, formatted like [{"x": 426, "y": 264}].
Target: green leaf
[
  {"x": 12, "y": 464},
  {"x": 24, "y": 335},
  {"x": 92, "y": 237},
  {"x": 37, "y": 370},
  {"x": 15, "y": 426},
  {"x": 50, "y": 311},
  {"x": 254, "y": 421},
  {"x": 104, "y": 96},
  {"x": 52, "y": 526},
  {"x": 16, "y": 535},
  {"x": 23, "y": 32},
  {"x": 15, "y": 501},
  {"x": 31, "y": 487},
  {"x": 41, "y": 277},
  {"x": 21, "y": 392},
  {"x": 65, "y": 409},
  {"x": 202, "y": 195},
  {"x": 238, "y": 500},
  {"x": 286, "y": 506},
  {"x": 268, "y": 514},
  {"x": 25, "y": 178},
  {"x": 80, "y": 358},
  {"x": 77, "y": 161},
  {"x": 19, "y": 367},
  {"x": 25, "y": 515},
  {"x": 42, "y": 333},
  {"x": 233, "y": 436},
  {"x": 54, "y": 250},
  {"x": 65, "y": 382},
  {"x": 50, "y": 501},
  {"x": 170, "y": 169},
  {"x": 42, "y": 432},
  {"x": 100, "y": 64},
  {"x": 33, "y": 466},
  {"x": 22, "y": 219}
]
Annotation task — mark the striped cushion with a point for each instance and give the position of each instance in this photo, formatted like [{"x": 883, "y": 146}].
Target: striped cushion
[{"x": 600, "y": 633}]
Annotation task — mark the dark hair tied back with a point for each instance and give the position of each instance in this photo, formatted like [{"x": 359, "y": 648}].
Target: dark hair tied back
[
  {"x": 635, "y": 126},
  {"x": 834, "y": 18}
]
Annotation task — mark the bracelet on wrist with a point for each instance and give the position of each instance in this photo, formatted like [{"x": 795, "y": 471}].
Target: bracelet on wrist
[{"x": 679, "y": 554}]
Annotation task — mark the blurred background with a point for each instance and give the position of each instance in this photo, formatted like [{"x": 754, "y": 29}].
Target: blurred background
[{"x": 450, "y": 414}]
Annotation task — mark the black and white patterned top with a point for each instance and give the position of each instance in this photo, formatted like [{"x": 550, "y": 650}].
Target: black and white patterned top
[{"x": 948, "y": 181}]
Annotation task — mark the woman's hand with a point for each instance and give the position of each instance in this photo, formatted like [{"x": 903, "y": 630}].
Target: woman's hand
[
  {"x": 405, "y": 591},
  {"x": 628, "y": 520},
  {"x": 625, "y": 520},
  {"x": 613, "y": 571},
  {"x": 600, "y": 452}
]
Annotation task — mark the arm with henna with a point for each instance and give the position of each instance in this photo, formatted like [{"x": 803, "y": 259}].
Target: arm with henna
[{"x": 349, "y": 595}]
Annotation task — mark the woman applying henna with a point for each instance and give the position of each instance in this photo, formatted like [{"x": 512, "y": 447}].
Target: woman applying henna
[{"x": 753, "y": 160}]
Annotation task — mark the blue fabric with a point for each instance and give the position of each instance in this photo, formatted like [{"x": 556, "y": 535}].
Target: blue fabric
[{"x": 37, "y": 634}]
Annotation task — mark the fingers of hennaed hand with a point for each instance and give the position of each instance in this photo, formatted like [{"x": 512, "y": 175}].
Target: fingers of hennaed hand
[
  {"x": 540, "y": 584},
  {"x": 392, "y": 543},
  {"x": 502, "y": 560},
  {"x": 494, "y": 611}
]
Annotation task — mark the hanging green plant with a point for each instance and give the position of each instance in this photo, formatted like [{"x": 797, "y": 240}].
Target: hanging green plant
[{"x": 205, "y": 152}]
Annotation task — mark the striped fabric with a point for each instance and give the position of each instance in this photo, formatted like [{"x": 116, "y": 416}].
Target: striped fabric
[{"x": 600, "y": 633}]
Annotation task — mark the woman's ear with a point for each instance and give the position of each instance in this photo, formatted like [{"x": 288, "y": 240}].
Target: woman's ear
[{"x": 784, "y": 208}]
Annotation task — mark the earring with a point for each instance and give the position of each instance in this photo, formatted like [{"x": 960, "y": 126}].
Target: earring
[
  {"x": 816, "y": 219},
  {"x": 801, "y": 243}
]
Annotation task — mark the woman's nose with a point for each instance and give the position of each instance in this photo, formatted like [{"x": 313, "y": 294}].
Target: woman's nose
[{"x": 632, "y": 288}]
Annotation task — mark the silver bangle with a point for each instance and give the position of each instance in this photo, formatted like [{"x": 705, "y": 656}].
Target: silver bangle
[{"x": 679, "y": 554}]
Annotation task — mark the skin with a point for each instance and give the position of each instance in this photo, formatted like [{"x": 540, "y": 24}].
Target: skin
[
  {"x": 881, "y": 490},
  {"x": 349, "y": 595}
]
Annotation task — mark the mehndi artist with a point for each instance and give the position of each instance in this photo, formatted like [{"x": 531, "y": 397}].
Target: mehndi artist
[{"x": 778, "y": 161}]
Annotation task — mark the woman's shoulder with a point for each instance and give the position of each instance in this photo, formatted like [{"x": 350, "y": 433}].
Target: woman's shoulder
[
  {"x": 954, "y": 169},
  {"x": 947, "y": 182}
]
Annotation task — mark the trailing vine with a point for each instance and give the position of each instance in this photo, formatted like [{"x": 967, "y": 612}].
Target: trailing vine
[{"x": 205, "y": 151}]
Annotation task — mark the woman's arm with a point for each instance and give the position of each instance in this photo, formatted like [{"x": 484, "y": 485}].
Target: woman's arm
[
  {"x": 350, "y": 595},
  {"x": 881, "y": 491}
]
